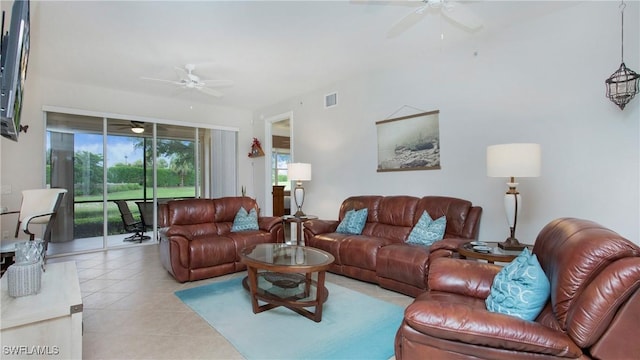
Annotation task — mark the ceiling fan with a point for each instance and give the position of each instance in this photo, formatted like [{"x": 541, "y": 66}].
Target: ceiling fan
[
  {"x": 454, "y": 11},
  {"x": 189, "y": 80}
]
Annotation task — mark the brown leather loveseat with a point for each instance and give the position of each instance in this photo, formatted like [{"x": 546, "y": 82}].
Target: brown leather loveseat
[
  {"x": 593, "y": 311},
  {"x": 196, "y": 241},
  {"x": 380, "y": 254}
]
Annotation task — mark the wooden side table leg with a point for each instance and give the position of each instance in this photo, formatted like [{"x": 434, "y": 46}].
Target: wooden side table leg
[{"x": 252, "y": 274}]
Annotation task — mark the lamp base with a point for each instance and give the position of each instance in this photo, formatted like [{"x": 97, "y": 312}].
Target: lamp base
[
  {"x": 511, "y": 244},
  {"x": 299, "y": 213}
]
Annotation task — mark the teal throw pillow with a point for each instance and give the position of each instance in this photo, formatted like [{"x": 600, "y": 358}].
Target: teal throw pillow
[
  {"x": 427, "y": 231},
  {"x": 520, "y": 289},
  {"x": 245, "y": 221},
  {"x": 353, "y": 222}
]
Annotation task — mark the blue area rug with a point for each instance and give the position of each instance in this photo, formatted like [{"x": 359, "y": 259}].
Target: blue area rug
[{"x": 353, "y": 326}]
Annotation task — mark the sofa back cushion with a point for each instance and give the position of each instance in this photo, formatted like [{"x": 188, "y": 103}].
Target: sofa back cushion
[
  {"x": 226, "y": 208},
  {"x": 205, "y": 216},
  {"x": 393, "y": 217},
  {"x": 190, "y": 212},
  {"x": 372, "y": 203},
  {"x": 460, "y": 220},
  {"x": 576, "y": 255}
]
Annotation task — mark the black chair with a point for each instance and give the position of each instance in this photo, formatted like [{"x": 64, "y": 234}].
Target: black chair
[
  {"x": 130, "y": 223},
  {"x": 146, "y": 213}
]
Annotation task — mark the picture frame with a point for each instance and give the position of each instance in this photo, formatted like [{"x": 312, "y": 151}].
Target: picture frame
[{"x": 409, "y": 142}]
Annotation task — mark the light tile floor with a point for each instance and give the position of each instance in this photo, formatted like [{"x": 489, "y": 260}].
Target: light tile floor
[{"x": 130, "y": 311}]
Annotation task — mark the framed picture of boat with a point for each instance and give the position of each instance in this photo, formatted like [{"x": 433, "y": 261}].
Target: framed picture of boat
[{"x": 409, "y": 142}]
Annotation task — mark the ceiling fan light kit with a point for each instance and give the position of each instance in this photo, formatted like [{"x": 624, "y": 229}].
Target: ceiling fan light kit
[
  {"x": 622, "y": 85},
  {"x": 137, "y": 127}
]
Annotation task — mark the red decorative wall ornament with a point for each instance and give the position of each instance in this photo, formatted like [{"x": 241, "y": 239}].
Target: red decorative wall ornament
[{"x": 256, "y": 149}]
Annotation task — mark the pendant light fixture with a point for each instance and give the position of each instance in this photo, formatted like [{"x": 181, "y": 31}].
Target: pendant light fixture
[{"x": 622, "y": 85}]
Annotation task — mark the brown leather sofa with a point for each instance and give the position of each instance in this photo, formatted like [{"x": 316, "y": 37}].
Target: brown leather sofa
[
  {"x": 380, "y": 255},
  {"x": 196, "y": 241},
  {"x": 593, "y": 311}
]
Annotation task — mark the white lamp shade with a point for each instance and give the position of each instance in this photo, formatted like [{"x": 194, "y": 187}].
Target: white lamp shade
[
  {"x": 513, "y": 160},
  {"x": 299, "y": 172}
]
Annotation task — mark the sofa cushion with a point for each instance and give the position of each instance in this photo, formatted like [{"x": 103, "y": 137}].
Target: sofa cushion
[
  {"x": 353, "y": 222},
  {"x": 245, "y": 221},
  {"x": 427, "y": 231},
  {"x": 520, "y": 289}
]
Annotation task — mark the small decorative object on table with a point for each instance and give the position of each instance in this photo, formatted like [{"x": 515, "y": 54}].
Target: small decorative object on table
[
  {"x": 25, "y": 276},
  {"x": 488, "y": 251}
]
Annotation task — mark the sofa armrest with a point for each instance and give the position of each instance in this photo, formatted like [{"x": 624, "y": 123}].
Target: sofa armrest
[
  {"x": 451, "y": 244},
  {"x": 318, "y": 226},
  {"x": 463, "y": 277},
  {"x": 267, "y": 223},
  {"x": 462, "y": 323}
]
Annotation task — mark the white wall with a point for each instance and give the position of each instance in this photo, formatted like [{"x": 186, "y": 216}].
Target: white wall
[{"x": 541, "y": 81}]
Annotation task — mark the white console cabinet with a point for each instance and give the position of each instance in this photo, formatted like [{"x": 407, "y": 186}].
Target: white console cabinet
[{"x": 47, "y": 325}]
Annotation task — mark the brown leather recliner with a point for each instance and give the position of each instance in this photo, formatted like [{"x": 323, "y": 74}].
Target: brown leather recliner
[
  {"x": 593, "y": 311},
  {"x": 196, "y": 241}
]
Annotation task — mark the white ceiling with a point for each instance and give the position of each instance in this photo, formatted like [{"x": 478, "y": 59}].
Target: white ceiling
[{"x": 271, "y": 50}]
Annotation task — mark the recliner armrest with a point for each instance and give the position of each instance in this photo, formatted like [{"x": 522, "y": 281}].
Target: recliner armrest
[
  {"x": 268, "y": 222},
  {"x": 464, "y": 277},
  {"x": 459, "y": 322},
  {"x": 317, "y": 226}
]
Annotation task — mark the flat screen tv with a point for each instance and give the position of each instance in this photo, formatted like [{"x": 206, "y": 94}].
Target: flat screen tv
[{"x": 14, "y": 59}]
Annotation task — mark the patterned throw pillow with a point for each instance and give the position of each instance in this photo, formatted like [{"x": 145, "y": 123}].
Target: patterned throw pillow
[
  {"x": 245, "y": 221},
  {"x": 520, "y": 289},
  {"x": 427, "y": 231},
  {"x": 353, "y": 222}
]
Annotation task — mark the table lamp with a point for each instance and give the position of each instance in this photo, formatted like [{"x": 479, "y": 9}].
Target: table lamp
[
  {"x": 299, "y": 172},
  {"x": 511, "y": 161}
]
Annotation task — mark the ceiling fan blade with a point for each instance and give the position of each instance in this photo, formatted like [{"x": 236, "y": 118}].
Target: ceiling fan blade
[
  {"x": 163, "y": 80},
  {"x": 405, "y": 3},
  {"x": 461, "y": 15},
  {"x": 211, "y": 92},
  {"x": 181, "y": 69},
  {"x": 406, "y": 22},
  {"x": 217, "y": 83}
]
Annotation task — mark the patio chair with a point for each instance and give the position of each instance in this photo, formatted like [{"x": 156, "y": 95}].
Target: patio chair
[
  {"x": 146, "y": 213},
  {"x": 130, "y": 223}
]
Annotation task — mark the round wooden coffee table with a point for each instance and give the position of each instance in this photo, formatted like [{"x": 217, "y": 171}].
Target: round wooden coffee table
[
  {"x": 492, "y": 253},
  {"x": 281, "y": 275}
]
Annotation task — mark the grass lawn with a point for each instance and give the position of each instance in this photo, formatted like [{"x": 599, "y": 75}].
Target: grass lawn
[{"x": 89, "y": 215}]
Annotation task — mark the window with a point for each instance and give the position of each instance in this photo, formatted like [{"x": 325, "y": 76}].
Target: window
[
  {"x": 100, "y": 160},
  {"x": 280, "y": 158}
]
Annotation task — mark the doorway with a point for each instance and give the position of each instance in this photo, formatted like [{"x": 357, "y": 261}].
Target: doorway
[{"x": 280, "y": 153}]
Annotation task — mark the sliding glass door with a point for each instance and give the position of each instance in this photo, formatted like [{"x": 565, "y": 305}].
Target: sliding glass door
[{"x": 117, "y": 171}]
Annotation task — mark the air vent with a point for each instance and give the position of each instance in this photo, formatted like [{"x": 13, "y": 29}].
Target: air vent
[{"x": 330, "y": 100}]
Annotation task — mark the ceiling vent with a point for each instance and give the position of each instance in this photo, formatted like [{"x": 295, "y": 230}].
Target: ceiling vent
[{"x": 330, "y": 100}]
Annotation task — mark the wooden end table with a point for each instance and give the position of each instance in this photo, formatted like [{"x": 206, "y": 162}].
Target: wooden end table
[
  {"x": 298, "y": 220},
  {"x": 495, "y": 254},
  {"x": 281, "y": 275}
]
